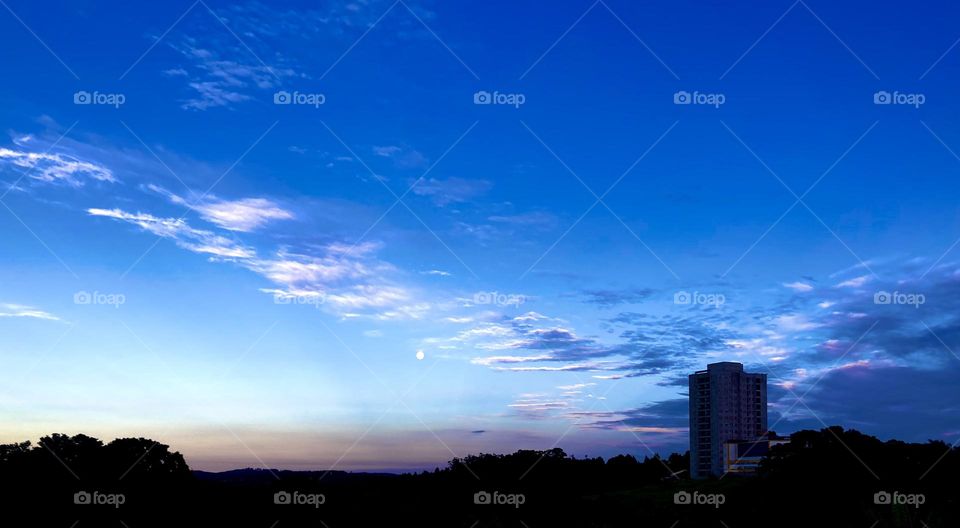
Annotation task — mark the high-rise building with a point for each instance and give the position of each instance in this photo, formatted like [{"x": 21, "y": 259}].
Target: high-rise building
[{"x": 726, "y": 405}]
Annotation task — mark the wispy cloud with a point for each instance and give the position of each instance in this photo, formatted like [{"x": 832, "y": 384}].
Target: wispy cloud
[
  {"x": 387, "y": 151},
  {"x": 267, "y": 22},
  {"x": 19, "y": 310},
  {"x": 224, "y": 69},
  {"x": 539, "y": 406},
  {"x": 228, "y": 62},
  {"x": 451, "y": 190},
  {"x": 536, "y": 219},
  {"x": 242, "y": 215},
  {"x": 668, "y": 417},
  {"x": 798, "y": 286},
  {"x": 346, "y": 280},
  {"x": 246, "y": 214},
  {"x": 855, "y": 282},
  {"x": 350, "y": 281},
  {"x": 223, "y": 77},
  {"x": 613, "y": 297},
  {"x": 649, "y": 346},
  {"x": 403, "y": 157},
  {"x": 196, "y": 240},
  {"x": 56, "y": 168}
]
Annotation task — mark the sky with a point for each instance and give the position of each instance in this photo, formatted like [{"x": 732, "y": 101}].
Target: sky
[{"x": 377, "y": 235}]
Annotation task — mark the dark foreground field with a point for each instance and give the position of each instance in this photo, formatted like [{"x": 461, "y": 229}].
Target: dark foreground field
[{"x": 823, "y": 478}]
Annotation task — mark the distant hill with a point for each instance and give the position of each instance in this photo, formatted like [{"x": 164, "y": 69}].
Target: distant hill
[{"x": 261, "y": 476}]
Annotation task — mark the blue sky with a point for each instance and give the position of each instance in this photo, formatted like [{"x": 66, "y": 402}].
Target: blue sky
[{"x": 187, "y": 258}]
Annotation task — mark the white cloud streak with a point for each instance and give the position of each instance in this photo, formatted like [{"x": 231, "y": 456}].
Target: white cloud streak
[{"x": 56, "y": 168}]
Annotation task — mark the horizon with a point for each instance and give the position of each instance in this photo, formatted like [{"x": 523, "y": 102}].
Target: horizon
[
  {"x": 384, "y": 234},
  {"x": 415, "y": 470}
]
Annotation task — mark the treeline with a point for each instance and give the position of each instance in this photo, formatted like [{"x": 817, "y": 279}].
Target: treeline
[
  {"x": 831, "y": 477},
  {"x": 62, "y": 458}
]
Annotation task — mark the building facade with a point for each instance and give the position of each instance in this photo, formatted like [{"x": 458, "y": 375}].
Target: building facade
[
  {"x": 743, "y": 457},
  {"x": 726, "y": 405}
]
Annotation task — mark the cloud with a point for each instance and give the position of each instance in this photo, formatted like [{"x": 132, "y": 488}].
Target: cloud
[
  {"x": 798, "y": 286},
  {"x": 402, "y": 157},
  {"x": 615, "y": 297},
  {"x": 872, "y": 359},
  {"x": 196, "y": 240},
  {"x": 665, "y": 417},
  {"x": 246, "y": 214},
  {"x": 349, "y": 280},
  {"x": 482, "y": 232},
  {"x": 222, "y": 74},
  {"x": 293, "y": 269},
  {"x": 439, "y": 273},
  {"x": 226, "y": 66},
  {"x": 387, "y": 151},
  {"x": 56, "y": 168},
  {"x": 242, "y": 215},
  {"x": 908, "y": 403},
  {"x": 496, "y": 228},
  {"x": 345, "y": 279},
  {"x": 647, "y": 346},
  {"x": 576, "y": 386},
  {"x": 535, "y": 219},
  {"x": 19, "y": 310},
  {"x": 368, "y": 295},
  {"x": 101, "y": 160},
  {"x": 795, "y": 323},
  {"x": 343, "y": 20},
  {"x": 855, "y": 282},
  {"x": 493, "y": 360},
  {"x": 451, "y": 190},
  {"x": 211, "y": 94},
  {"x": 538, "y": 406},
  {"x": 905, "y": 318}
]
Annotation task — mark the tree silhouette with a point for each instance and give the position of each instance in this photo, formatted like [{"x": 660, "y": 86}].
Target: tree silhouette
[{"x": 828, "y": 476}]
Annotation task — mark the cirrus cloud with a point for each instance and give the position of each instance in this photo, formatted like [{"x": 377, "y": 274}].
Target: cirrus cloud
[
  {"x": 56, "y": 168},
  {"x": 19, "y": 310},
  {"x": 245, "y": 214},
  {"x": 196, "y": 240}
]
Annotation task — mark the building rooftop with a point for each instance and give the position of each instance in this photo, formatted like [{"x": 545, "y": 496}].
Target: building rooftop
[
  {"x": 730, "y": 366},
  {"x": 725, "y": 365}
]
